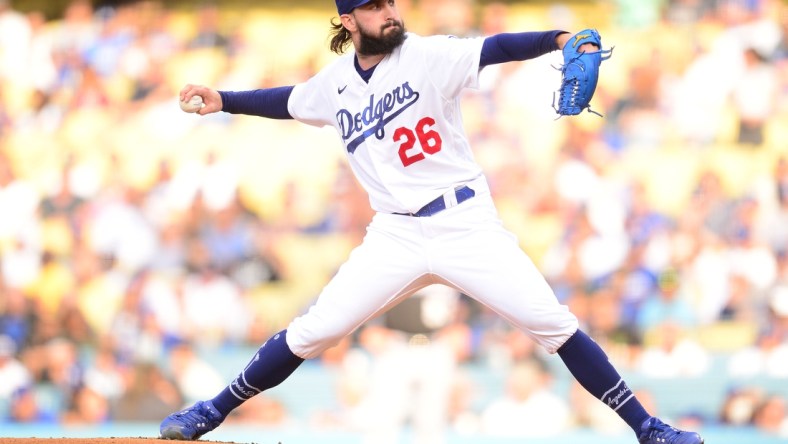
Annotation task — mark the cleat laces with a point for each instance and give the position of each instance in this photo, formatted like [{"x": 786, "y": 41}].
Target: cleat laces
[
  {"x": 661, "y": 433},
  {"x": 200, "y": 418}
]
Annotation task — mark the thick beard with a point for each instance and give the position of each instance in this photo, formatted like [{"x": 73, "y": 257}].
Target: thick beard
[{"x": 372, "y": 45}]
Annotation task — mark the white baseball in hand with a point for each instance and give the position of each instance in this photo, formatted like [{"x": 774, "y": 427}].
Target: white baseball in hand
[{"x": 193, "y": 105}]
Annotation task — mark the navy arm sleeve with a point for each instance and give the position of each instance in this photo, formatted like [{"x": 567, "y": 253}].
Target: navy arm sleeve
[
  {"x": 509, "y": 47},
  {"x": 268, "y": 102}
]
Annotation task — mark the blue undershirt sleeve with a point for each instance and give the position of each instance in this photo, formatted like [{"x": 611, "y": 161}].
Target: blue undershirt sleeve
[
  {"x": 510, "y": 47},
  {"x": 268, "y": 102}
]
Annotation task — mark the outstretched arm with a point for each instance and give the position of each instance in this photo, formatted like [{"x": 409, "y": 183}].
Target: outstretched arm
[
  {"x": 268, "y": 102},
  {"x": 510, "y": 47}
]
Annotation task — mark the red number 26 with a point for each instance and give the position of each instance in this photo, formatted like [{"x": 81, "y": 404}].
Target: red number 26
[{"x": 429, "y": 141}]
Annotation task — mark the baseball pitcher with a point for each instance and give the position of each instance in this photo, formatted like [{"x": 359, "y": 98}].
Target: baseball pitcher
[{"x": 393, "y": 100}]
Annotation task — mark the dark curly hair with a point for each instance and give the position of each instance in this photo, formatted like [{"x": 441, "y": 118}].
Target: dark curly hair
[{"x": 340, "y": 37}]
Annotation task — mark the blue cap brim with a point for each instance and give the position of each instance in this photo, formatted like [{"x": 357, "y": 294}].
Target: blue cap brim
[{"x": 346, "y": 6}]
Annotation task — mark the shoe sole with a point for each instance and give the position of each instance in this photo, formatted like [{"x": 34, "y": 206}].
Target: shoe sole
[{"x": 173, "y": 433}]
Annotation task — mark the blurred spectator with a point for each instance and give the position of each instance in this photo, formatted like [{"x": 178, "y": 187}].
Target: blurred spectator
[
  {"x": 670, "y": 353},
  {"x": 769, "y": 354},
  {"x": 90, "y": 92},
  {"x": 44, "y": 116},
  {"x": 700, "y": 95},
  {"x": 118, "y": 229},
  {"x": 214, "y": 307},
  {"x": 771, "y": 416},
  {"x": 6, "y": 122},
  {"x": 667, "y": 305},
  {"x": 605, "y": 317},
  {"x": 115, "y": 35},
  {"x": 688, "y": 12},
  {"x": 41, "y": 67},
  {"x": 739, "y": 406},
  {"x": 228, "y": 235},
  {"x": 453, "y": 17},
  {"x": 105, "y": 375},
  {"x": 634, "y": 282},
  {"x": 776, "y": 220},
  {"x": 577, "y": 177},
  {"x": 77, "y": 29},
  {"x": 135, "y": 335},
  {"x": 754, "y": 96},
  {"x": 21, "y": 263},
  {"x": 631, "y": 14},
  {"x": 86, "y": 407},
  {"x": 710, "y": 203},
  {"x": 13, "y": 375},
  {"x": 439, "y": 312},
  {"x": 59, "y": 367},
  {"x": 18, "y": 203},
  {"x": 26, "y": 408},
  {"x": 209, "y": 34},
  {"x": 463, "y": 417},
  {"x": 636, "y": 120},
  {"x": 743, "y": 303},
  {"x": 54, "y": 283},
  {"x": 750, "y": 24},
  {"x": 63, "y": 201},
  {"x": 528, "y": 408},
  {"x": 418, "y": 396},
  {"x": 98, "y": 290},
  {"x": 585, "y": 254},
  {"x": 15, "y": 35},
  {"x": 750, "y": 256},
  {"x": 708, "y": 276},
  {"x": 73, "y": 324},
  {"x": 781, "y": 52},
  {"x": 643, "y": 220},
  {"x": 159, "y": 320},
  {"x": 15, "y": 317},
  {"x": 162, "y": 201},
  {"x": 195, "y": 377},
  {"x": 149, "y": 394}
]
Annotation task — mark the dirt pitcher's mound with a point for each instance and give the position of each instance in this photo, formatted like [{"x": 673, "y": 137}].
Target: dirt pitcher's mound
[{"x": 97, "y": 441}]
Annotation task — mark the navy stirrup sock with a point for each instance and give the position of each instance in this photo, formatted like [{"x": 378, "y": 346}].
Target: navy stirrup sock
[
  {"x": 589, "y": 364},
  {"x": 272, "y": 364}
]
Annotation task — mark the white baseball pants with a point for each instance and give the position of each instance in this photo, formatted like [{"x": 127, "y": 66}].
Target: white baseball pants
[{"x": 465, "y": 247}]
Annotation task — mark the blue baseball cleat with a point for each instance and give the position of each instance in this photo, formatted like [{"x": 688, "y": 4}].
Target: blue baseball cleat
[
  {"x": 192, "y": 423},
  {"x": 654, "y": 431}
]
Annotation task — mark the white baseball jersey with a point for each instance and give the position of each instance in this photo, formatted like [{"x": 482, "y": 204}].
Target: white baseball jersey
[
  {"x": 405, "y": 142},
  {"x": 403, "y": 131}
]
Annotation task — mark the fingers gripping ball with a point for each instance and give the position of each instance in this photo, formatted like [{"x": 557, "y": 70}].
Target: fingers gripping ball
[
  {"x": 580, "y": 73},
  {"x": 193, "y": 105}
]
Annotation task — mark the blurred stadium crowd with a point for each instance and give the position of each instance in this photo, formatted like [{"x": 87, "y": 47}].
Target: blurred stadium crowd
[{"x": 133, "y": 236}]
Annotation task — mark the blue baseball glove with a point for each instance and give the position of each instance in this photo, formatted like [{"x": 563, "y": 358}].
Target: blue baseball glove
[{"x": 580, "y": 73}]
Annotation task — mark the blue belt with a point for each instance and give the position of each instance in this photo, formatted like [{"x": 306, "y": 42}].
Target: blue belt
[{"x": 463, "y": 193}]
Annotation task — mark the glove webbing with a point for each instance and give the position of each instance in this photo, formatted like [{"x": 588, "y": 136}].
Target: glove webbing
[{"x": 571, "y": 98}]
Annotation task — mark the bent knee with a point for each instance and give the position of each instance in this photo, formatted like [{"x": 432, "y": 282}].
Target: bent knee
[
  {"x": 309, "y": 341},
  {"x": 552, "y": 333}
]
